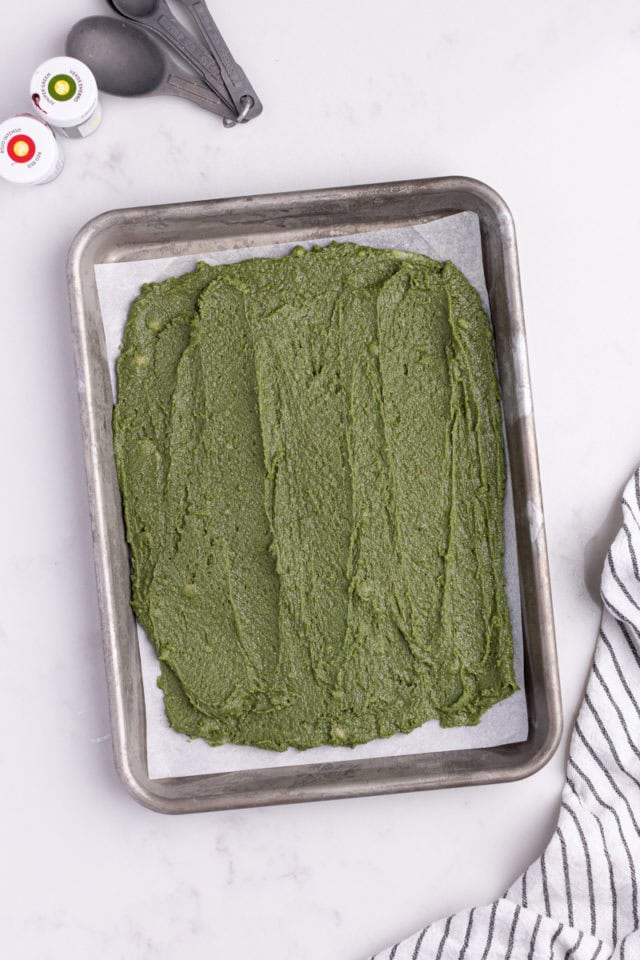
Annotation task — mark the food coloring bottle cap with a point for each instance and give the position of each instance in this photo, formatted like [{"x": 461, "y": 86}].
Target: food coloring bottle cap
[
  {"x": 29, "y": 151},
  {"x": 65, "y": 94}
]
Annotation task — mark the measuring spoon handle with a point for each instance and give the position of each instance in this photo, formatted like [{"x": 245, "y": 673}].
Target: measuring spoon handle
[
  {"x": 233, "y": 76},
  {"x": 162, "y": 22},
  {"x": 197, "y": 93}
]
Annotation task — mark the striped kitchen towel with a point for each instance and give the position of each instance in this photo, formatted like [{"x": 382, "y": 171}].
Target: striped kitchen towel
[{"x": 580, "y": 899}]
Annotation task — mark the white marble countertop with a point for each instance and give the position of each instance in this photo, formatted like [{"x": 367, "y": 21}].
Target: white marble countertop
[{"x": 538, "y": 100}]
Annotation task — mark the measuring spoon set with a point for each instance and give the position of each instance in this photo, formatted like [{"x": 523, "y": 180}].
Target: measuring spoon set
[{"x": 127, "y": 60}]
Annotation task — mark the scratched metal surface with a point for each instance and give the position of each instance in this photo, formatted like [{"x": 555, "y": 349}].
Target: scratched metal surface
[{"x": 164, "y": 231}]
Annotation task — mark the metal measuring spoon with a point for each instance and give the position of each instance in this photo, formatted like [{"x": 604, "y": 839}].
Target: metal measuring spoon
[
  {"x": 235, "y": 80},
  {"x": 128, "y": 62},
  {"x": 156, "y": 15}
]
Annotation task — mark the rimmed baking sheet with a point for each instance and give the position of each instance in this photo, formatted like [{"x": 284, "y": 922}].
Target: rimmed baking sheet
[{"x": 170, "y": 782}]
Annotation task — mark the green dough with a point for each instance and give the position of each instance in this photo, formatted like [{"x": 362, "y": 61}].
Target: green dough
[{"x": 310, "y": 456}]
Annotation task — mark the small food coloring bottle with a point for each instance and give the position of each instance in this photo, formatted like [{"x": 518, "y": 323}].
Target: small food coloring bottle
[
  {"x": 29, "y": 151},
  {"x": 65, "y": 93}
]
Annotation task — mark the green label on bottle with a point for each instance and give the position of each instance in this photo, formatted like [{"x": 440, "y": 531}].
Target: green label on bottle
[{"x": 62, "y": 87}]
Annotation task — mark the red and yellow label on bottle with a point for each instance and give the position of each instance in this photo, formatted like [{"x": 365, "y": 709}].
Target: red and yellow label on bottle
[{"x": 21, "y": 148}]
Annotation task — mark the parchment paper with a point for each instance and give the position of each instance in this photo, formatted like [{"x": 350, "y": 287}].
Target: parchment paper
[{"x": 170, "y": 754}]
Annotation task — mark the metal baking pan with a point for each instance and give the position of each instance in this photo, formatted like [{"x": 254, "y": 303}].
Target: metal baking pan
[{"x": 192, "y": 228}]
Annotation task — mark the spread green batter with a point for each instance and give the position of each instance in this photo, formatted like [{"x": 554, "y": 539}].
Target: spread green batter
[{"x": 310, "y": 456}]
